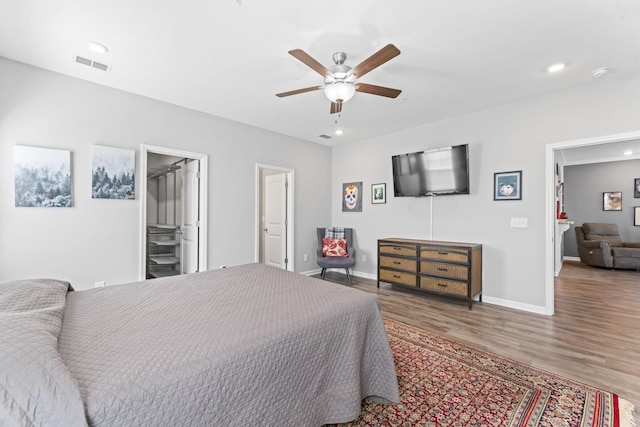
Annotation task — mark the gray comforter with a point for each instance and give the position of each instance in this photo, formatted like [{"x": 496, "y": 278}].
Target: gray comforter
[{"x": 243, "y": 346}]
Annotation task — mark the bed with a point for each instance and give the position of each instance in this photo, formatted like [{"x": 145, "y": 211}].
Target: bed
[{"x": 247, "y": 345}]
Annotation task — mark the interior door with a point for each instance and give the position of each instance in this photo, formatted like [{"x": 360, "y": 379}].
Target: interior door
[
  {"x": 190, "y": 220},
  {"x": 275, "y": 217}
]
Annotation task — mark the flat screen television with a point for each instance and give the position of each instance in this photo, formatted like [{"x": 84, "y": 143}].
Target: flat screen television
[{"x": 441, "y": 171}]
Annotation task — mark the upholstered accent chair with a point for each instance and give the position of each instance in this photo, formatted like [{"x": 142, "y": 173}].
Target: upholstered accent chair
[
  {"x": 602, "y": 245},
  {"x": 347, "y": 260}
]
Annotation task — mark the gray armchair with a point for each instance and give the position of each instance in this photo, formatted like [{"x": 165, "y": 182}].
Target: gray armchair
[
  {"x": 334, "y": 261},
  {"x": 601, "y": 245}
]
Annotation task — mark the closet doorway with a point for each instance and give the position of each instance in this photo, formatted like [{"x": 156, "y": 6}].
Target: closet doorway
[
  {"x": 173, "y": 212},
  {"x": 274, "y": 216}
]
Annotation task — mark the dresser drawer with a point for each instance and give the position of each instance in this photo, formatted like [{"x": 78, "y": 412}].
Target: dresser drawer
[
  {"x": 453, "y": 271},
  {"x": 445, "y": 254},
  {"x": 399, "y": 263},
  {"x": 397, "y": 277},
  {"x": 398, "y": 249},
  {"x": 444, "y": 286}
]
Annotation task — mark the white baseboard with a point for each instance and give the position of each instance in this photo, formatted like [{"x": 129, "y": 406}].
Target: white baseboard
[
  {"x": 514, "y": 304},
  {"x": 341, "y": 270}
]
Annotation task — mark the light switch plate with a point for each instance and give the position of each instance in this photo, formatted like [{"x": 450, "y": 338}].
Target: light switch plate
[{"x": 519, "y": 223}]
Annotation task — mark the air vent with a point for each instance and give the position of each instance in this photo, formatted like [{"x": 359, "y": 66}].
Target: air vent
[
  {"x": 324, "y": 136},
  {"x": 91, "y": 63}
]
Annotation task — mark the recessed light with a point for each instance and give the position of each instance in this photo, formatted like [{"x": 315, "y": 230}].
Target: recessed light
[
  {"x": 339, "y": 132},
  {"x": 98, "y": 47},
  {"x": 628, "y": 153},
  {"x": 554, "y": 68}
]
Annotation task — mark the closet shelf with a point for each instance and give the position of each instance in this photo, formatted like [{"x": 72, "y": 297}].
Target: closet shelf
[
  {"x": 161, "y": 273},
  {"x": 164, "y": 260},
  {"x": 173, "y": 242}
]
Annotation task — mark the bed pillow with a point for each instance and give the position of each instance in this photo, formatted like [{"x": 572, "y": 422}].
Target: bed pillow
[
  {"x": 36, "y": 387},
  {"x": 334, "y": 247}
]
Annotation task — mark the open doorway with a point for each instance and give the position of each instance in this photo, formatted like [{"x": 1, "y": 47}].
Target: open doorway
[
  {"x": 274, "y": 216},
  {"x": 173, "y": 216},
  {"x": 551, "y": 203}
]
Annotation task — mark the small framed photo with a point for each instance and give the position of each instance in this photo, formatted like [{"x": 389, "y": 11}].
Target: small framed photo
[
  {"x": 612, "y": 200},
  {"x": 636, "y": 188},
  {"x": 507, "y": 185},
  {"x": 378, "y": 193},
  {"x": 636, "y": 215}
]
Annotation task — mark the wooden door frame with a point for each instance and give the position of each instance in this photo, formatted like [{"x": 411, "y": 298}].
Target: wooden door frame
[
  {"x": 202, "y": 231},
  {"x": 290, "y": 217}
]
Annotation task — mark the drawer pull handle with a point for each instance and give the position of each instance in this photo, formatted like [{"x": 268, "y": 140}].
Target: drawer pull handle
[
  {"x": 397, "y": 262},
  {"x": 442, "y": 285},
  {"x": 443, "y": 253},
  {"x": 442, "y": 269},
  {"x": 395, "y": 276},
  {"x": 396, "y": 248}
]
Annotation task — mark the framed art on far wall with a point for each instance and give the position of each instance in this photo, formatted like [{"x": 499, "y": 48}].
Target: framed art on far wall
[
  {"x": 636, "y": 215},
  {"x": 636, "y": 188},
  {"x": 42, "y": 177},
  {"x": 507, "y": 185},
  {"x": 378, "y": 193},
  {"x": 612, "y": 201},
  {"x": 352, "y": 197}
]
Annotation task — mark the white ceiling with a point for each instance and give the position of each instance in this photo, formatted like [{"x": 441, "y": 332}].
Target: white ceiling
[{"x": 229, "y": 57}]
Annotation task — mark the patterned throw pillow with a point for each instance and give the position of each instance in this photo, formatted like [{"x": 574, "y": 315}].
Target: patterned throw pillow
[
  {"x": 334, "y": 247},
  {"x": 335, "y": 232}
]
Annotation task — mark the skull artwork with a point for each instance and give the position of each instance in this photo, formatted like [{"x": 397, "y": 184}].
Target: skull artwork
[{"x": 351, "y": 196}]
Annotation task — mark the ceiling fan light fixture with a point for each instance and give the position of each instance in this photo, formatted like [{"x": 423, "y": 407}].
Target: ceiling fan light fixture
[{"x": 339, "y": 91}]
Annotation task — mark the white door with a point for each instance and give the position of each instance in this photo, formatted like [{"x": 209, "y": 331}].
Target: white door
[
  {"x": 275, "y": 217},
  {"x": 190, "y": 223}
]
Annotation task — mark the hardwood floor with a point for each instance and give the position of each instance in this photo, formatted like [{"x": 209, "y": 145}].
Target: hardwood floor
[{"x": 594, "y": 336}]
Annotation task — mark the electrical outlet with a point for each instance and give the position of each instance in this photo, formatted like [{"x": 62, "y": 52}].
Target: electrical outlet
[
  {"x": 519, "y": 223},
  {"x": 305, "y": 257},
  {"x": 99, "y": 284},
  {"x": 363, "y": 258}
]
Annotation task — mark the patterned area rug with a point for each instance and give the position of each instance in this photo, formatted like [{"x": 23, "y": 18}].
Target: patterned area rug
[{"x": 447, "y": 383}]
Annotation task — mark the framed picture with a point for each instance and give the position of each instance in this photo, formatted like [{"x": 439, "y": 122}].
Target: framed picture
[
  {"x": 636, "y": 215},
  {"x": 636, "y": 188},
  {"x": 352, "y": 197},
  {"x": 113, "y": 173},
  {"x": 378, "y": 193},
  {"x": 507, "y": 185},
  {"x": 612, "y": 200},
  {"x": 42, "y": 177}
]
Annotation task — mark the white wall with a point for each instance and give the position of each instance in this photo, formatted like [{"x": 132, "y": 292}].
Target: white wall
[
  {"x": 98, "y": 240},
  {"x": 507, "y": 138}
]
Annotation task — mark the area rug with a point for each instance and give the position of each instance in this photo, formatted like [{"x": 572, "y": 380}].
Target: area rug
[{"x": 447, "y": 383}]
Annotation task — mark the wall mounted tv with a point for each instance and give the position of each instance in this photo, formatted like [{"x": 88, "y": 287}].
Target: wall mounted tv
[{"x": 441, "y": 171}]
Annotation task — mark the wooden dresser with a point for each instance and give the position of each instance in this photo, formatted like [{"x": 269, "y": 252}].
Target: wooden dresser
[{"x": 445, "y": 268}]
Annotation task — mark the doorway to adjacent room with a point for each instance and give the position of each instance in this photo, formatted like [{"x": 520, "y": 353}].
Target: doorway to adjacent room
[
  {"x": 274, "y": 216},
  {"x": 173, "y": 215}
]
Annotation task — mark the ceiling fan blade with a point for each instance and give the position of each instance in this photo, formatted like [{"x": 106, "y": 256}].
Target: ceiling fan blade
[
  {"x": 297, "y": 91},
  {"x": 380, "y": 57},
  {"x": 378, "y": 90},
  {"x": 336, "y": 107},
  {"x": 307, "y": 60}
]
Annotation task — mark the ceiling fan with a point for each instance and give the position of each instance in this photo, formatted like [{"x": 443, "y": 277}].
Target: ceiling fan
[{"x": 340, "y": 80}]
